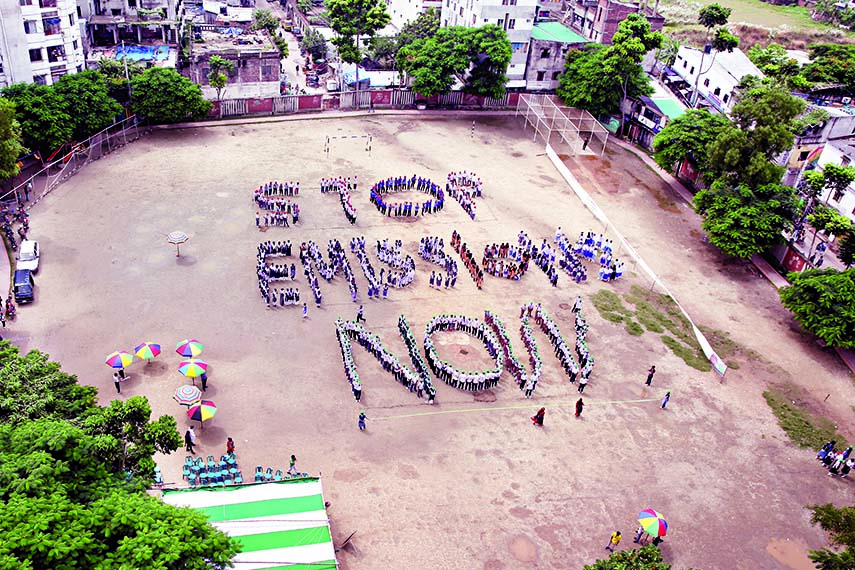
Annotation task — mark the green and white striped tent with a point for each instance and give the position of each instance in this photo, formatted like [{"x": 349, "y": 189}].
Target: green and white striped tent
[{"x": 279, "y": 524}]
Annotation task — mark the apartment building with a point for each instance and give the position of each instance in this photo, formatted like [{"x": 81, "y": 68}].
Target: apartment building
[
  {"x": 598, "y": 20},
  {"x": 516, "y": 17},
  {"x": 405, "y": 11},
  {"x": 111, "y": 22},
  {"x": 40, "y": 41}
]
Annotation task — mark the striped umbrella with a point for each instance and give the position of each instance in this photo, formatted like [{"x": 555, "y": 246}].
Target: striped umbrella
[
  {"x": 187, "y": 395},
  {"x": 193, "y": 368},
  {"x": 119, "y": 359},
  {"x": 653, "y": 522},
  {"x": 177, "y": 238},
  {"x": 147, "y": 350},
  {"x": 189, "y": 348},
  {"x": 203, "y": 411}
]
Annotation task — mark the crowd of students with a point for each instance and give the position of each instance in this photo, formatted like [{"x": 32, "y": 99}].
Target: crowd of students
[
  {"x": 464, "y": 187},
  {"x": 468, "y": 259},
  {"x": 431, "y": 249},
  {"x": 392, "y": 255},
  {"x": 426, "y": 384},
  {"x": 268, "y": 272},
  {"x": 570, "y": 262},
  {"x": 597, "y": 249},
  {"x": 342, "y": 186},
  {"x": 837, "y": 461},
  {"x": 462, "y": 380},
  {"x": 409, "y": 208},
  {"x": 311, "y": 258},
  {"x": 505, "y": 261},
  {"x": 271, "y": 197}
]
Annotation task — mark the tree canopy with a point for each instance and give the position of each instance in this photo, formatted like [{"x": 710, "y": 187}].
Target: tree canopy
[
  {"x": 646, "y": 558},
  {"x": 839, "y": 523},
  {"x": 823, "y": 301},
  {"x": 164, "y": 96},
  {"x": 218, "y": 75},
  {"x": 743, "y": 221},
  {"x": 687, "y": 138},
  {"x": 352, "y": 20},
  {"x": 435, "y": 61},
  {"x": 42, "y": 114},
  {"x": 10, "y": 140},
  {"x": 88, "y": 102},
  {"x": 314, "y": 43},
  {"x": 425, "y": 26},
  {"x": 832, "y": 63},
  {"x": 73, "y": 475}
]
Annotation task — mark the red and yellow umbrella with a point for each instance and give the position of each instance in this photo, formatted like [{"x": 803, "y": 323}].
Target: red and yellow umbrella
[
  {"x": 119, "y": 359},
  {"x": 203, "y": 411},
  {"x": 653, "y": 522},
  {"x": 193, "y": 368},
  {"x": 189, "y": 348},
  {"x": 147, "y": 350}
]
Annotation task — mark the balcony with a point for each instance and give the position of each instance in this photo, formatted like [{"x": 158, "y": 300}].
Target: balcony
[{"x": 47, "y": 3}]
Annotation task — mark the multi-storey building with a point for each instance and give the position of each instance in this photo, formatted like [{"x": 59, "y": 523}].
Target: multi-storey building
[
  {"x": 598, "y": 20},
  {"x": 516, "y": 17},
  {"x": 111, "y": 22},
  {"x": 40, "y": 41},
  {"x": 405, "y": 11}
]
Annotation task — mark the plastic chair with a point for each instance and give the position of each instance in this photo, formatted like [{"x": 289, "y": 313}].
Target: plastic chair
[
  {"x": 192, "y": 480},
  {"x": 231, "y": 459},
  {"x": 233, "y": 470},
  {"x": 188, "y": 460},
  {"x": 185, "y": 472},
  {"x": 203, "y": 477},
  {"x": 211, "y": 463},
  {"x": 278, "y": 476},
  {"x": 268, "y": 475},
  {"x": 238, "y": 478},
  {"x": 259, "y": 473}
]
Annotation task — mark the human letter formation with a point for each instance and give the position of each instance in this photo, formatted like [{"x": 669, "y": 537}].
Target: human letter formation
[
  {"x": 346, "y": 330},
  {"x": 271, "y": 197},
  {"x": 311, "y": 258},
  {"x": 391, "y": 255},
  {"x": 268, "y": 272},
  {"x": 468, "y": 259},
  {"x": 504, "y": 261},
  {"x": 543, "y": 256},
  {"x": 596, "y": 249},
  {"x": 464, "y": 187},
  {"x": 431, "y": 249},
  {"x": 570, "y": 261},
  {"x": 467, "y": 381},
  {"x": 410, "y": 208},
  {"x": 342, "y": 186}
]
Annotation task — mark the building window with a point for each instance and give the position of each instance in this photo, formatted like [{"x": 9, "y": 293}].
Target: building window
[
  {"x": 685, "y": 64},
  {"x": 599, "y": 13},
  {"x": 47, "y": 3},
  {"x": 717, "y": 91},
  {"x": 132, "y": 3},
  {"x": 500, "y": 22},
  {"x": 36, "y": 54},
  {"x": 845, "y": 161},
  {"x": 838, "y": 194},
  {"x": 79, "y": 12},
  {"x": 267, "y": 72},
  {"x": 473, "y": 19},
  {"x": 25, "y": 2},
  {"x": 803, "y": 155},
  {"x": 52, "y": 26},
  {"x": 726, "y": 97},
  {"x": 505, "y": 2},
  {"x": 511, "y": 23},
  {"x": 74, "y": 44},
  {"x": 544, "y": 54},
  {"x": 31, "y": 27},
  {"x": 40, "y": 79},
  {"x": 707, "y": 82},
  {"x": 461, "y": 10},
  {"x": 555, "y": 75},
  {"x": 692, "y": 71},
  {"x": 115, "y": 11},
  {"x": 71, "y": 19},
  {"x": 541, "y": 75},
  {"x": 56, "y": 53}
]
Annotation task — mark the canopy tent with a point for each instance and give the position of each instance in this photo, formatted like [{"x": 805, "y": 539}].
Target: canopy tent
[{"x": 279, "y": 524}]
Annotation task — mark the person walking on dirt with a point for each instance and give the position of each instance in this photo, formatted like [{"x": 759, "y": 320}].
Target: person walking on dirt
[
  {"x": 650, "y": 374},
  {"x": 360, "y": 316},
  {"x": 580, "y": 405},
  {"x": 361, "y": 421},
  {"x": 188, "y": 442},
  {"x": 666, "y": 399},
  {"x": 537, "y": 419},
  {"x": 614, "y": 540}
]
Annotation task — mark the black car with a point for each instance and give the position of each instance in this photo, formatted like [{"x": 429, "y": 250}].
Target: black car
[{"x": 23, "y": 286}]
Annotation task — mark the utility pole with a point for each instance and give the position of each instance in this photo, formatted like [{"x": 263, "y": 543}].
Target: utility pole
[{"x": 127, "y": 77}]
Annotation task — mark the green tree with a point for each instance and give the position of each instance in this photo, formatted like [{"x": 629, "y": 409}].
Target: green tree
[
  {"x": 823, "y": 301},
  {"x": 352, "y": 20},
  {"x": 130, "y": 438},
  {"x": 217, "y": 65},
  {"x": 42, "y": 114},
  {"x": 763, "y": 127},
  {"x": 490, "y": 53},
  {"x": 87, "y": 99},
  {"x": 425, "y": 26},
  {"x": 263, "y": 19},
  {"x": 711, "y": 17},
  {"x": 382, "y": 50},
  {"x": 314, "y": 43},
  {"x": 666, "y": 54},
  {"x": 10, "y": 140},
  {"x": 113, "y": 72},
  {"x": 825, "y": 219},
  {"x": 686, "y": 138},
  {"x": 846, "y": 248},
  {"x": 587, "y": 84},
  {"x": 743, "y": 221},
  {"x": 433, "y": 62},
  {"x": 646, "y": 558},
  {"x": 164, "y": 96},
  {"x": 832, "y": 63}
]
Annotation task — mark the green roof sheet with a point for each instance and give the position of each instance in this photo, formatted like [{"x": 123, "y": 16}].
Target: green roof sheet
[
  {"x": 555, "y": 32},
  {"x": 669, "y": 107}
]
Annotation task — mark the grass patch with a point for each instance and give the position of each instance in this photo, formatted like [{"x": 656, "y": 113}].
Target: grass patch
[
  {"x": 634, "y": 328},
  {"x": 608, "y": 301},
  {"x": 732, "y": 364},
  {"x": 612, "y": 317},
  {"x": 693, "y": 357},
  {"x": 802, "y": 427}
]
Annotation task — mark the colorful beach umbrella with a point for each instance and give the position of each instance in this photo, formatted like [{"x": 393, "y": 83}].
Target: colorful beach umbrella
[
  {"x": 177, "y": 238},
  {"x": 653, "y": 522},
  {"x": 188, "y": 395},
  {"x": 119, "y": 359},
  {"x": 203, "y": 411},
  {"x": 147, "y": 350},
  {"x": 189, "y": 348},
  {"x": 193, "y": 368}
]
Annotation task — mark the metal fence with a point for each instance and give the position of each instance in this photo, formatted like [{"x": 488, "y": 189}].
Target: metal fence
[{"x": 32, "y": 187}]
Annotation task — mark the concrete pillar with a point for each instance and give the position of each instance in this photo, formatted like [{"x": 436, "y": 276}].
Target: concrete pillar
[
  {"x": 115, "y": 29},
  {"x": 139, "y": 34}
]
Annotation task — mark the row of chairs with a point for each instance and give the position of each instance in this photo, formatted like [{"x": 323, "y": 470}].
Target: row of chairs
[
  {"x": 211, "y": 472},
  {"x": 261, "y": 475}
]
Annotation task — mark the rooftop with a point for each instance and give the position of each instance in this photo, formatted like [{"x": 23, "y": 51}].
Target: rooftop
[
  {"x": 232, "y": 39},
  {"x": 555, "y": 32},
  {"x": 735, "y": 63},
  {"x": 158, "y": 55}
]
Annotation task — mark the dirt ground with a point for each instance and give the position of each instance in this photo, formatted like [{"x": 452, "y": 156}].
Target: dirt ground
[{"x": 468, "y": 483}]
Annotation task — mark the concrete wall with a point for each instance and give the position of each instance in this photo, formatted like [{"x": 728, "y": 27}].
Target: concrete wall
[{"x": 550, "y": 66}]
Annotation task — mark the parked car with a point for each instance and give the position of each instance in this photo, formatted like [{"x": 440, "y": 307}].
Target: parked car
[
  {"x": 28, "y": 256},
  {"x": 23, "y": 285}
]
